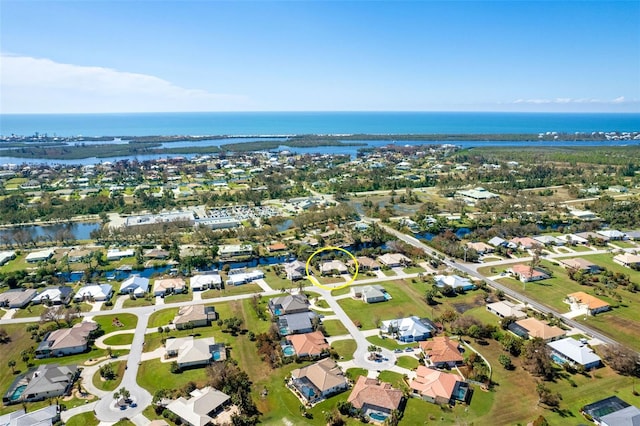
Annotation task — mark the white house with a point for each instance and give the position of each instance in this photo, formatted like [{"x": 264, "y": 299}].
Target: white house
[
  {"x": 39, "y": 256},
  {"x": 54, "y": 295},
  {"x": 574, "y": 352},
  {"x": 115, "y": 254},
  {"x": 96, "y": 292},
  {"x": 205, "y": 281},
  {"x": 190, "y": 352},
  {"x": 135, "y": 284},
  {"x": 454, "y": 281},
  {"x": 409, "y": 329},
  {"x": 201, "y": 409},
  {"x": 6, "y": 256},
  {"x": 244, "y": 277}
]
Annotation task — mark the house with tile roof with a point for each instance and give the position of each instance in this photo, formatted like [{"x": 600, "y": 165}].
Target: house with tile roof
[
  {"x": 442, "y": 352},
  {"x": 376, "y": 399},
  {"x": 393, "y": 260},
  {"x": 318, "y": 381},
  {"x": 167, "y": 286},
  {"x": 312, "y": 344},
  {"x": 526, "y": 274},
  {"x": 189, "y": 351},
  {"x": 45, "y": 381},
  {"x": 582, "y": 300},
  {"x": 289, "y": 304},
  {"x": 504, "y": 308},
  {"x": 581, "y": 265},
  {"x": 194, "y": 316},
  {"x": 333, "y": 267},
  {"x": 437, "y": 387},
  {"x": 627, "y": 259}
]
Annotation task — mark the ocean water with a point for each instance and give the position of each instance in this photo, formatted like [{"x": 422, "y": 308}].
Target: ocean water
[{"x": 287, "y": 123}]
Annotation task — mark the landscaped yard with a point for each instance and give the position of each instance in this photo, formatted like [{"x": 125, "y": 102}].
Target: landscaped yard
[
  {"x": 110, "y": 385},
  {"x": 180, "y": 297},
  {"x": 30, "y": 311},
  {"x": 390, "y": 343},
  {"x": 141, "y": 301},
  {"x": 162, "y": 317},
  {"x": 119, "y": 339},
  {"x": 407, "y": 362},
  {"x": 108, "y": 323},
  {"x": 154, "y": 375},
  {"x": 232, "y": 290},
  {"x": 83, "y": 419}
]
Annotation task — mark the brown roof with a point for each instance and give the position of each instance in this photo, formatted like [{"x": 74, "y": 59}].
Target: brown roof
[
  {"x": 190, "y": 313},
  {"x": 309, "y": 343},
  {"x": 373, "y": 392},
  {"x": 277, "y": 247},
  {"x": 434, "y": 383},
  {"x": 71, "y": 337},
  {"x": 578, "y": 263},
  {"x": 163, "y": 284},
  {"x": 537, "y": 328},
  {"x": 587, "y": 299},
  {"x": 323, "y": 374},
  {"x": 367, "y": 262},
  {"x": 527, "y": 271},
  {"x": 441, "y": 349}
]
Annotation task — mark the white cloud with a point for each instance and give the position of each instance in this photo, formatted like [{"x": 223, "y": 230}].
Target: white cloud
[
  {"x": 35, "y": 85},
  {"x": 618, "y": 100}
]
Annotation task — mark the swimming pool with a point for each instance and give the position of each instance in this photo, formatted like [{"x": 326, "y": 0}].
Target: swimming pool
[
  {"x": 283, "y": 331},
  {"x": 278, "y": 311},
  {"x": 216, "y": 356},
  {"x": 288, "y": 350},
  {"x": 379, "y": 417},
  {"x": 17, "y": 393},
  {"x": 387, "y": 296},
  {"x": 555, "y": 358}
]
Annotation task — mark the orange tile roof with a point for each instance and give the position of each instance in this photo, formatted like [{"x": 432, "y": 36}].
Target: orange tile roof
[
  {"x": 309, "y": 343},
  {"x": 441, "y": 349},
  {"x": 537, "y": 328},
  {"x": 277, "y": 247},
  {"x": 373, "y": 392},
  {"x": 434, "y": 383},
  {"x": 587, "y": 299}
]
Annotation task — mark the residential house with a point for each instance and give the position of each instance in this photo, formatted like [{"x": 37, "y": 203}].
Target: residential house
[
  {"x": 497, "y": 242},
  {"x": 312, "y": 344},
  {"x": 525, "y": 243},
  {"x": 156, "y": 254},
  {"x": 573, "y": 239},
  {"x": 6, "y": 256},
  {"x": 481, "y": 248},
  {"x": 40, "y": 256},
  {"x": 78, "y": 255},
  {"x": 472, "y": 196},
  {"x": 17, "y": 298},
  {"x": 526, "y": 273},
  {"x": 94, "y": 292},
  {"x": 582, "y": 300},
  {"x": 276, "y": 247},
  {"x": 409, "y": 329},
  {"x": 581, "y": 265},
  {"x": 318, "y": 381},
  {"x": 296, "y": 323},
  {"x": 442, "y": 352},
  {"x": 370, "y": 293},
  {"x": 505, "y": 309},
  {"x": 612, "y": 411},
  {"x": 234, "y": 250},
  {"x": 241, "y": 276},
  {"x": 454, "y": 281},
  {"x": 589, "y": 236},
  {"x": 333, "y": 267},
  {"x": 366, "y": 263},
  {"x": 629, "y": 416},
  {"x": 66, "y": 341},
  {"x": 167, "y": 286},
  {"x": 46, "y": 416},
  {"x": 189, "y": 351},
  {"x": 295, "y": 270},
  {"x": 438, "y": 387},
  {"x": 531, "y": 328},
  {"x": 627, "y": 259},
  {"x": 289, "y": 304},
  {"x": 632, "y": 235},
  {"x": 574, "y": 352},
  {"x": 46, "y": 381},
  {"x": 612, "y": 234},
  {"x": 548, "y": 240},
  {"x": 117, "y": 254},
  {"x": 194, "y": 316},
  {"x": 201, "y": 408},
  {"x": 136, "y": 285},
  {"x": 393, "y": 260},
  {"x": 374, "y": 398},
  {"x": 205, "y": 281},
  {"x": 54, "y": 296}
]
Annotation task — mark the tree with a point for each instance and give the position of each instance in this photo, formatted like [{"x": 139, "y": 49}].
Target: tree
[
  {"x": 175, "y": 368},
  {"x": 107, "y": 372},
  {"x": 4, "y": 336},
  {"x": 505, "y": 360},
  {"x": 537, "y": 358},
  {"x": 12, "y": 365},
  {"x": 546, "y": 397},
  {"x": 622, "y": 359}
]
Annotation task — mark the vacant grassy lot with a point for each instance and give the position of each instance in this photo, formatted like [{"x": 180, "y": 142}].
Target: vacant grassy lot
[
  {"x": 345, "y": 348},
  {"x": 232, "y": 290},
  {"x": 334, "y": 328},
  {"x": 108, "y": 322},
  {"x": 162, "y": 317},
  {"x": 30, "y": 311},
  {"x": 83, "y": 419},
  {"x": 141, "y": 301},
  {"x": 154, "y": 375}
]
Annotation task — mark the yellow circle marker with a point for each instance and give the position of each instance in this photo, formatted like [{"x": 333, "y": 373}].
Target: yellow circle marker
[{"x": 315, "y": 281}]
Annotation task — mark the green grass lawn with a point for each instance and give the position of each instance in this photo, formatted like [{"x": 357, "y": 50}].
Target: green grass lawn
[
  {"x": 110, "y": 385},
  {"x": 154, "y": 375},
  {"x": 180, "y": 297},
  {"x": 389, "y": 272},
  {"x": 162, "y": 317},
  {"x": 129, "y": 322},
  {"x": 624, "y": 244},
  {"x": 413, "y": 270},
  {"x": 17, "y": 264},
  {"x": 119, "y": 339},
  {"x": 124, "y": 422},
  {"x": 354, "y": 373},
  {"x": 232, "y": 290},
  {"x": 395, "y": 379},
  {"x": 580, "y": 248},
  {"x": 83, "y": 419},
  {"x": 276, "y": 282},
  {"x": 389, "y": 343},
  {"x": 30, "y": 311},
  {"x": 334, "y": 328},
  {"x": 141, "y": 301},
  {"x": 345, "y": 348},
  {"x": 408, "y": 362},
  {"x": 321, "y": 303}
]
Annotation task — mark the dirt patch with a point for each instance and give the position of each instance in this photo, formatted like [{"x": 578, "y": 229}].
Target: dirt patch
[
  {"x": 79, "y": 395},
  {"x": 461, "y": 308},
  {"x": 94, "y": 361}
]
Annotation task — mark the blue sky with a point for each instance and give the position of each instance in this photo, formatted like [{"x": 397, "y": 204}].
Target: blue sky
[{"x": 135, "y": 56}]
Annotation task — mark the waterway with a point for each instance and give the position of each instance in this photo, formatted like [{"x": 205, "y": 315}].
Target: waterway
[{"x": 79, "y": 231}]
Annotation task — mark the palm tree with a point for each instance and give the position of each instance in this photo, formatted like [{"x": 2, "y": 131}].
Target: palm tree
[{"x": 12, "y": 364}]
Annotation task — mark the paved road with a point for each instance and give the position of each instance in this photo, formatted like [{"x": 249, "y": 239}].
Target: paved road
[{"x": 472, "y": 271}]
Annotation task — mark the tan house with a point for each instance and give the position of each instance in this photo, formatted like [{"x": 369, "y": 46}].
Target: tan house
[
  {"x": 166, "y": 286},
  {"x": 393, "y": 260},
  {"x": 318, "y": 381},
  {"x": 201, "y": 408},
  {"x": 531, "y": 328},
  {"x": 194, "y": 316},
  {"x": 435, "y": 386},
  {"x": 66, "y": 341},
  {"x": 526, "y": 273},
  {"x": 627, "y": 259},
  {"x": 442, "y": 352},
  {"x": 582, "y": 265},
  {"x": 376, "y": 399},
  {"x": 581, "y": 299},
  {"x": 309, "y": 344},
  {"x": 190, "y": 352},
  {"x": 366, "y": 264}
]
